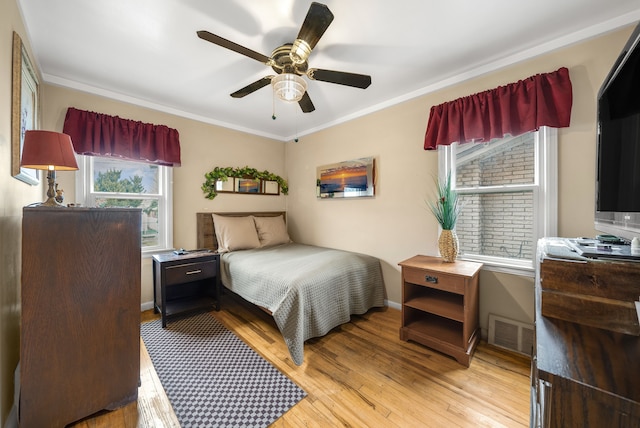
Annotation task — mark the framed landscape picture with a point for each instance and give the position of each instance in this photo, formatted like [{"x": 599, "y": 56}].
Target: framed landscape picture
[
  {"x": 349, "y": 179},
  {"x": 247, "y": 185},
  {"x": 24, "y": 109}
]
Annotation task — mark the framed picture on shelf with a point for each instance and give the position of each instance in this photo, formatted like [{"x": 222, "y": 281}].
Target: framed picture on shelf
[
  {"x": 226, "y": 186},
  {"x": 349, "y": 179},
  {"x": 247, "y": 185},
  {"x": 25, "y": 106},
  {"x": 270, "y": 187}
]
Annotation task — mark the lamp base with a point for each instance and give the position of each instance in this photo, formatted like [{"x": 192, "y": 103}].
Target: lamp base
[
  {"x": 54, "y": 196},
  {"x": 50, "y": 202}
]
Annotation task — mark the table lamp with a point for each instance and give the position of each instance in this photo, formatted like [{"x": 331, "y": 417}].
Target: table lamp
[{"x": 51, "y": 151}]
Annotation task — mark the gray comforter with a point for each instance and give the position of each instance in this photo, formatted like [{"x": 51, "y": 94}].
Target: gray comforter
[{"x": 309, "y": 290}]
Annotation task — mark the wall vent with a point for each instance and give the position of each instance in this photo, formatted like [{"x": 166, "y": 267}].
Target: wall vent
[{"x": 509, "y": 334}]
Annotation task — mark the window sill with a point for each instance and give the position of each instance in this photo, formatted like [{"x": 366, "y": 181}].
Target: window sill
[
  {"x": 501, "y": 265},
  {"x": 147, "y": 254}
]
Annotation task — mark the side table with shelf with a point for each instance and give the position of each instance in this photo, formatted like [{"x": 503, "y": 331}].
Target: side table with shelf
[
  {"x": 185, "y": 283},
  {"x": 440, "y": 305}
]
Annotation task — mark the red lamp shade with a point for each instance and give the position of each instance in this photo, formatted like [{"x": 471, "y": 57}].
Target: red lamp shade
[{"x": 48, "y": 150}]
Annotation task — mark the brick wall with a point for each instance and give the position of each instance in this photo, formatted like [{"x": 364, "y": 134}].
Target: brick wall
[{"x": 497, "y": 224}]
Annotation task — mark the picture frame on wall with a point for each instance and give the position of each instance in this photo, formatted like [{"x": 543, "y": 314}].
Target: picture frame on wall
[
  {"x": 348, "y": 179},
  {"x": 25, "y": 105}
]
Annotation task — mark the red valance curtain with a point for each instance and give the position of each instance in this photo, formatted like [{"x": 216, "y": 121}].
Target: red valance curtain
[
  {"x": 99, "y": 134},
  {"x": 523, "y": 106}
]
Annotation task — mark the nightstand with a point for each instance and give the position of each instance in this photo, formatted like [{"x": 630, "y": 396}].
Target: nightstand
[
  {"x": 186, "y": 283},
  {"x": 440, "y": 305}
]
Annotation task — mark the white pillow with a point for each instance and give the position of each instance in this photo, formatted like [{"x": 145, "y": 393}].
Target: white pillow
[
  {"x": 271, "y": 230},
  {"x": 235, "y": 233}
]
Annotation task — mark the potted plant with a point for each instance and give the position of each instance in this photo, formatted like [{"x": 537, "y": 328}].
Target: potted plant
[{"x": 446, "y": 209}]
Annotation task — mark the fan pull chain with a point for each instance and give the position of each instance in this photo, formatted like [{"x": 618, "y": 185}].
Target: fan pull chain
[
  {"x": 273, "y": 106},
  {"x": 295, "y": 140}
]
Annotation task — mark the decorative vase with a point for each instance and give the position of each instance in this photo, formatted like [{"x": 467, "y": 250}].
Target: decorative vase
[{"x": 448, "y": 245}]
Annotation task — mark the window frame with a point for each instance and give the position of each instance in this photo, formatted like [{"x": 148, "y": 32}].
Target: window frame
[
  {"x": 545, "y": 198},
  {"x": 87, "y": 197}
]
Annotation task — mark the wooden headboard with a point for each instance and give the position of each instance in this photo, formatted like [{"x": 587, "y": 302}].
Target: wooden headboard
[{"x": 207, "y": 233}]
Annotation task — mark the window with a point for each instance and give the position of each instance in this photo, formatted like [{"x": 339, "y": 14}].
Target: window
[
  {"x": 507, "y": 188},
  {"x": 109, "y": 182}
]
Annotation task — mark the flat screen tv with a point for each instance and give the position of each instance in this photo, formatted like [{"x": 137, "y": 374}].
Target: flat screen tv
[{"x": 618, "y": 146}]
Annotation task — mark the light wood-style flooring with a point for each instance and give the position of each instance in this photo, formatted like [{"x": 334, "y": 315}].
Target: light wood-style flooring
[{"x": 360, "y": 375}]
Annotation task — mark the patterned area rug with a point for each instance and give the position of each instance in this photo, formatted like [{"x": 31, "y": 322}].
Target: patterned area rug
[{"x": 213, "y": 379}]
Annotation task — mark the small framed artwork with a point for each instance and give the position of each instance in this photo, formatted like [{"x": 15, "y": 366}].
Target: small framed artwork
[
  {"x": 349, "y": 179},
  {"x": 24, "y": 109},
  {"x": 247, "y": 185},
  {"x": 226, "y": 186},
  {"x": 270, "y": 187}
]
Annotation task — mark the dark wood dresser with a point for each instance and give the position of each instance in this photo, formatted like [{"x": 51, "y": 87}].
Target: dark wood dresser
[
  {"x": 80, "y": 333},
  {"x": 586, "y": 361}
]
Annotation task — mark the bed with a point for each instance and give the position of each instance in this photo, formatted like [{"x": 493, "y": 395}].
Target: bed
[{"x": 308, "y": 290}]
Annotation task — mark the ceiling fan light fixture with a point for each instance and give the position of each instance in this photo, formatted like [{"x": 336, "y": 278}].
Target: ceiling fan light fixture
[
  {"x": 300, "y": 51},
  {"x": 289, "y": 87}
]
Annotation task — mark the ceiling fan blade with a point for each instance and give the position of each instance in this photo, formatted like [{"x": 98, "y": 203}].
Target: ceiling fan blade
[
  {"x": 305, "y": 103},
  {"x": 340, "y": 77},
  {"x": 252, "y": 87},
  {"x": 220, "y": 41},
  {"x": 318, "y": 19}
]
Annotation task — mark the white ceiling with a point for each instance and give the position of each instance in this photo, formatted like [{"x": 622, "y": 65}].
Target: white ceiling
[{"x": 146, "y": 51}]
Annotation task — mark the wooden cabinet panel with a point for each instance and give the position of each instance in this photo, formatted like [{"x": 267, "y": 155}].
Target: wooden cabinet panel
[
  {"x": 80, "y": 333},
  {"x": 598, "y": 294},
  {"x": 574, "y": 404},
  {"x": 589, "y": 367}
]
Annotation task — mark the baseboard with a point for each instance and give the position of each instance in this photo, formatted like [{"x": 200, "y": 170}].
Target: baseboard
[
  {"x": 12, "y": 419},
  {"x": 393, "y": 305},
  {"x": 146, "y": 306}
]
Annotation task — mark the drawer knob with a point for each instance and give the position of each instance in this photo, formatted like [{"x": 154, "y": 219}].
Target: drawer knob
[
  {"x": 433, "y": 279},
  {"x": 194, "y": 272}
]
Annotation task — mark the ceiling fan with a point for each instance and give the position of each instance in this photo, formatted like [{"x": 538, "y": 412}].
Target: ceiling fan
[{"x": 289, "y": 61}]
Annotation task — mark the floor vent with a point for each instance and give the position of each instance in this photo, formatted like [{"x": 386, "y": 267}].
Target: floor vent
[{"x": 513, "y": 335}]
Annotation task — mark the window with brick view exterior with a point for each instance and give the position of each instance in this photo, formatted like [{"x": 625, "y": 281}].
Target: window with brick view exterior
[{"x": 496, "y": 182}]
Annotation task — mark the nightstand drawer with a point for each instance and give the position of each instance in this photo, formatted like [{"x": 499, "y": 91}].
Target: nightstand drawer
[
  {"x": 434, "y": 279},
  {"x": 190, "y": 272}
]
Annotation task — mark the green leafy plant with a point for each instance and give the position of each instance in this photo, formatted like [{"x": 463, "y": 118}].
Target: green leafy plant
[
  {"x": 447, "y": 207},
  {"x": 223, "y": 174}
]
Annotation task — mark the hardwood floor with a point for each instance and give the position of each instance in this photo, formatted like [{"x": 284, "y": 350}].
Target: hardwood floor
[{"x": 360, "y": 375}]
